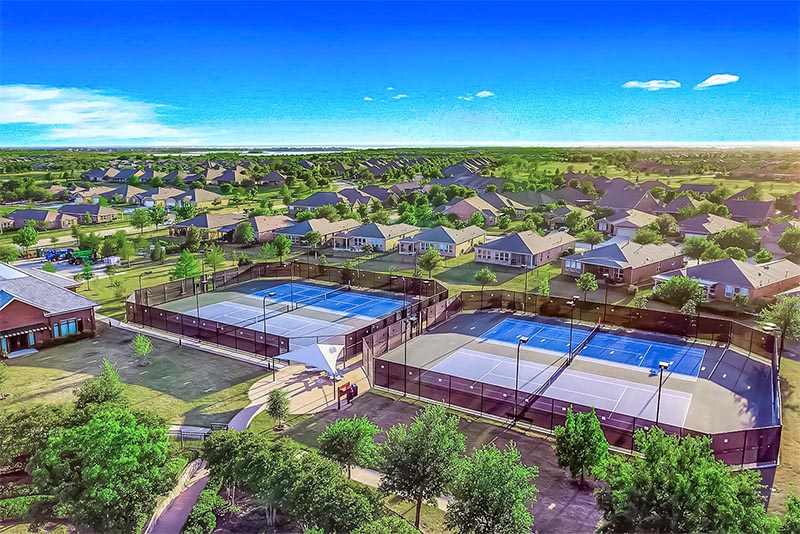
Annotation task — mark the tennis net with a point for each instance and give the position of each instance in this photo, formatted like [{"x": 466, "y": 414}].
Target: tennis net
[
  {"x": 263, "y": 317},
  {"x": 325, "y": 296},
  {"x": 586, "y": 340}
]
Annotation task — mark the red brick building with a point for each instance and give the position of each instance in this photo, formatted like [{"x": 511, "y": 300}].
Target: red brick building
[{"x": 35, "y": 312}]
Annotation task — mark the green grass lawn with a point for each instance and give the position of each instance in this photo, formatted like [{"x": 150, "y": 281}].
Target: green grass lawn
[
  {"x": 787, "y": 479},
  {"x": 185, "y": 385}
]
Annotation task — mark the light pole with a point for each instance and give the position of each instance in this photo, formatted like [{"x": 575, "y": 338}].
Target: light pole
[
  {"x": 264, "y": 327},
  {"x": 772, "y": 328},
  {"x": 662, "y": 366},
  {"x": 571, "y": 304},
  {"x": 520, "y": 342},
  {"x": 140, "y": 278},
  {"x": 291, "y": 285},
  {"x": 395, "y": 277},
  {"x": 408, "y": 321},
  {"x": 605, "y": 300},
  {"x": 197, "y": 305}
]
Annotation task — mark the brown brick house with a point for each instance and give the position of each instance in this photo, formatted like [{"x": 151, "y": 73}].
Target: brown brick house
[{"x": 625, "y": 262}]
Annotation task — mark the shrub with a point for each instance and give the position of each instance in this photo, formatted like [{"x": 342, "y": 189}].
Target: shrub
[
  {"x": 172, "y": 470},
  {"x": 16, "y": 508},
  {"x": 202, "y": 519}
]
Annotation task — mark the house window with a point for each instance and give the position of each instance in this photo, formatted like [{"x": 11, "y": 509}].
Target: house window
[
  {"x": 728, "y": 291},
  {"x": 65, "y": 328}
]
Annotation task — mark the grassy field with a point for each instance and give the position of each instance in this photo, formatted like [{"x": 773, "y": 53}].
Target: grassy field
[
  {"x": 184, "y": 385},
  {"x": 787, "y": 479}
]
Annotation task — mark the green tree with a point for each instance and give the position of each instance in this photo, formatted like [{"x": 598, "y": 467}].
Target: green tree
[
  {"x": 575, "y": 221},
  {"x": 580, "y": 444},
  {"x": 647, "y": 236},
  {"x": 187, "y": 266},
  {"x": 379, "y": 217},
  {"x": 679, "y": 290},
  {"x": 739, "y": 236},
  {"x": 790, "y": 241},
  {"x": 313, "y": 239},
  {"x": 158, "y": 254},
  {"x": 430, "y": 260},
  {"x": 491, "y": 491},
  {"x": 503, "y": 222},
  {"x": 694, "y": 247},
  {"x": 192, "y": 241},
  {"x": 282, "y": 246},
  {"x": 675, "y": 485},
  {"x": 763, "y": 256},
  {"x": 26, "y": 237},
  {"x": 87, "y": 272},
  {"x": 214, "y": 256},
  {"x": 587, "y": 282},
  {"x": 665, "y": 225},
  {"x": 544, "y": 288},
  {"x": 713, "y": 252},
  {"x": 141, "y": 219},
  {"x": 142, "y": 347},
  {"x": 244, "y": 233},
  {"x": 477, "y": 219},
  {"x": 104, "y": 389},
  {"x": 185, "y": 211},
  {"x": 105, "y": 474},
  {"x": 267, "y": 252},
  {"x": 158, "y": 215},
  {"x": 485, "y": 276},
  {"x": 8, "y": 253},
  {"x": 791, "y": 521},
  {"x": 27, "y": 429},
  {"x": 388, "y": 524},
  {"x": 736, "y": 253},
  {"x": 278, "y": 406},
  {"x": 421, "y": 459},
  {"x": 49, "y": 267},
  {"x": 350, "y": 442},
  {"x": 591, "y": 237},
  {"x": 785, "y": 314}
]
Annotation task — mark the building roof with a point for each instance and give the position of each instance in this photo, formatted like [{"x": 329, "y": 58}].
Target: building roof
[
  {"x": 381, "y": 231},
  {"x": 127, "y": 191},
  {"x": 160, "y": 193},
  {"x": 739, "y": 273},
  {"x": 196, "y": 195},
  {"x": 625, "y": 254},
  {"x": 323, "y": 226},
  {"x": 744, "y": 193},
  {"x": 95, "y": 210},
  {"x": 501, "y": 201},
  {"x": 354, "y": 195},
  {"x": 539, "y": 198},
  {"x": 750, "y": 209},
  {"x": 36, "y": 291},
  {"x": 683, "y": 201},
  {"x": 633, "y": 198},
  {"x": 442, "y": 234},
  {"x": 32, "y": 215},
  {"x": 273, "y": 177},
  {"x": 212, "y": 221},
  {"x": 319, "y": 199},
  {"x": 706, "y": 225},
  {"x": 264, "y": 223},
  {"x": 630, "y": 219},
  {"x": 529, "y": 242},
  {"x": 377, "y": 191}
]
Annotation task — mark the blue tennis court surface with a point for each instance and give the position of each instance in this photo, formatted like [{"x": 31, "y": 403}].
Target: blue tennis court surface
[
  {"x": 347, "y": 303},
  {"x": 620, "y": 350}
]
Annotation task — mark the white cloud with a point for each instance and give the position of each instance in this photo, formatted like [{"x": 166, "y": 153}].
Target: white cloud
[
  {"x": 652, "y": 85},
  {"x": 484, "y": 94},
  {"x": 75, "y": 113},
  {"x": 717, "y": 79},
  {"x": 368, "y": 99},
  {"x": 468, "y": 97},
  {"x": 390, "y": 88},
  {"x": 399, "y": 96}
]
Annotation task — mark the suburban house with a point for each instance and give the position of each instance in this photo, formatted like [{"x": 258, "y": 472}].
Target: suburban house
[
  {"x": 219, "y": 175},
  {"x": 630, "y": 199},
  {"x": 378, "y": 192},
  {"x": 504, "y": 204},
  {"x": 705, "y": 225},
  {"x": 624, "y": 263},
  {"x": 211, "y": 225},
  {"x": 406, "y": 188},
  {"x": 123, "y": 193},
  {"x": 91, "y": 213},
  {"x": 744, "y": 194},
  {"x": 613, "y": 185},
  {"x": 59, "y": 192},
  {"x": 723, "y": 279},
  {"x": 356, "y": 197},
  {"x": 155, "y": 197},
  {"x": 91, "y": 195},
  {"x": 381, "y": 237},
  {"x": 755, "y": 212},
  {"x": 297, "y": 232},
  {"x": 771, "y": 234},
  {"x": 264, "y": 227},
  {"x": 448, "y": 241},
  {"x": 273, "y": 179},
  {"x": 317, "y": 200},
  {"x": 6, "y": 224},
  {"x": 675, "y": 205},
  {"x": 123, "y": 175},
  {"x": 463, "y": 209},
  {"x": 200, "y": 198},
  {"x": 44, "y": 219},
  {"x": 558, "y": 217},
  {"x": 570, "y": 195},
  {"x": 625, "y": 223},
  {"x": 526, "y": 249},
  {"x": 36, "y": 313}
]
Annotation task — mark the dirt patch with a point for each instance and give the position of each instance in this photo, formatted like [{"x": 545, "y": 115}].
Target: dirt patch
[
  {"x": 561, "y": 505},
  {"x": 248, "y": 518}
]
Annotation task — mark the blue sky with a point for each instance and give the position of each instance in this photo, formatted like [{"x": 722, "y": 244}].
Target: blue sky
[{"x": 404, "y": 73}]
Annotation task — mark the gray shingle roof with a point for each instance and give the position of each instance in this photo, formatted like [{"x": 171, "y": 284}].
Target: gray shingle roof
[
  {"x": 381, "y": 231},
  {"x": 626, "y": 254},
  {"x": 442, "y": 234},
  {"x": 740, "y": 273},
  {"x": 36, "y": 291},
  {"x": 529, "y": 242}
]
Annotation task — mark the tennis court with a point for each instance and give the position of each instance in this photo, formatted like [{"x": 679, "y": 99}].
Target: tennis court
[
  {"x": 337, "y": 300},
  {"x": 605, "y": 393},
  {"x": 609, "y": 348}
]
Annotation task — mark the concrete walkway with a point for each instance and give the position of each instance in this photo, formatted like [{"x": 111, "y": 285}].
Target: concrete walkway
[{"x": 173, "y": 518}]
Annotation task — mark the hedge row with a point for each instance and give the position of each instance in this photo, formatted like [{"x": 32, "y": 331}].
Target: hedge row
[
  {"x": 202, "y": 519},
  {"x": 16, "y": 508}
]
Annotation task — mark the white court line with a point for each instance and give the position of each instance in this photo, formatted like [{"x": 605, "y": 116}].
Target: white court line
[{"x": 620, "y": 399}]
